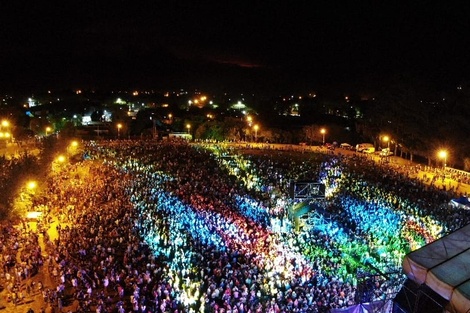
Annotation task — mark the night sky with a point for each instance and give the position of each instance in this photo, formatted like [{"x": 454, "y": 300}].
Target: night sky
[{"x": 251, "y": 46}]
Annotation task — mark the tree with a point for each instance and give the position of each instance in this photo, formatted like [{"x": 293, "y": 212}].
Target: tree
[
  {"x": 312, "y": 134},
  {"x": 96, "y": 116},
  {"x": 404, "y": 110}
]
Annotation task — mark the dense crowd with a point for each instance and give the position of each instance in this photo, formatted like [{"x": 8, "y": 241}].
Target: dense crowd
[{"x": 173, "y": 227}]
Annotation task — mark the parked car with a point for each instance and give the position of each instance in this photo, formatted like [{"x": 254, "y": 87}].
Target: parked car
[
  {"x": 360, "y": 147},
  {"x": 346, "y": 146},
  {"x": 386, "y": 152},
  {"x": 368, "y": 150},
  {"x": 330, "y": 146}
]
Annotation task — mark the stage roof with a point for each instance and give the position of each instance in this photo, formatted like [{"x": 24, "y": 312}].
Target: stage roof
[{"x": 444, "y": 266}]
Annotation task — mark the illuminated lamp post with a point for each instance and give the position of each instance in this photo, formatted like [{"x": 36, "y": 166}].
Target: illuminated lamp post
[
  {"x": 119, "y": 126},
  {"x": 188, "y": 126},
  {"x": 5, "y": 135},
  {"x": 249, "y": 119},
  {"x": 256, "y": 127},
  {"x": 323, "y": 132},
  {"x": 387, "y": 140},
  {"x": 58, "y": 163},
  {"x": 443, "y": 155},
  {"x": 72, "y": 148},
  {"x": 31, "y": 185},
  {"x": 26, "y": 194},
  {"x": 48, "y": 129},
  {"x": 25, "y": 200}
]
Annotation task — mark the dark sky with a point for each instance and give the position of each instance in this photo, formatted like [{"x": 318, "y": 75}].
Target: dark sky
[{"x": 255, "y": 46}]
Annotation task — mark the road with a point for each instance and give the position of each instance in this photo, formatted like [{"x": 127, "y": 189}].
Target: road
[{"x": 13, "y": 150}]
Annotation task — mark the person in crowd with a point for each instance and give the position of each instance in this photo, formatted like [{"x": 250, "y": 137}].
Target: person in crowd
[{"x": 173, "y": 227}]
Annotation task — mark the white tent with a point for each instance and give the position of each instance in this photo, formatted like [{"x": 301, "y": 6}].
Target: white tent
[{"x": 444, "y": 266}]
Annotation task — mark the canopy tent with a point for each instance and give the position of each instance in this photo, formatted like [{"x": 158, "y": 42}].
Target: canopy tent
[
  {"x": 371, "y": 307},
  {"x": 444, "y": 266},
  {"x": 462, "y": 202}
]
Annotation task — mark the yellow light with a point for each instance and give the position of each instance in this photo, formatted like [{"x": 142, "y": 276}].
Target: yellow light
[
  {"x": 442, "y": 154},
  {"x": 61, "y": 158},
  {"x": 323, "y": 132},
  {"x": 385, "y": 138},
  {"x": 74, "y": 143},
  {"x": 119, "y": 126},
  {"x": 5, "y": 123},
  {"x": 31, "y": 185},
  {"x": 256, "y": 127}
]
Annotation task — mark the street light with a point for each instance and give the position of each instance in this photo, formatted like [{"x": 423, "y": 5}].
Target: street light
[
  {"x": 72, "y": 148},
  {"x": 5, "y": 123},
  {"x": 249, "y": 119},
  {"x": 256, "y": 127},
  {"x": 48, "y": 129},
  {"x": 443, "y": 155},
  {"x": 24, "y": 201},
  {"x": 58, "y": 163},
  {"x": 387, "y": 140},
  {"x": 31, "y": 185},
  {"x": 188, "y": 126},
  {"x": 119, "y": 126},
  {"x": 323, "y": 132}
]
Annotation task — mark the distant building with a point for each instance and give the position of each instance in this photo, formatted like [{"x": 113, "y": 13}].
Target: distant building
[{"x": 32, "y": 102}]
